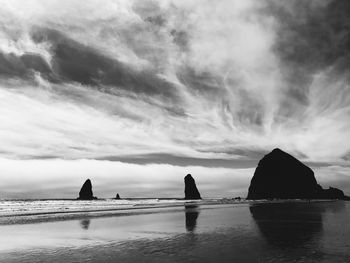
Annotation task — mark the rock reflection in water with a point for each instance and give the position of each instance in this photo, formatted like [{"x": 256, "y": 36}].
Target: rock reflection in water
[
  {"x": 85, "y": 223},
  {"x": 191, "y": 215},
  {"x": 289, "y": 224}
]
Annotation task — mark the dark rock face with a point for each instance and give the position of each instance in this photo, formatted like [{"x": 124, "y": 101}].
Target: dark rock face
[
  {"x": 333, "y": 193},
  {"x": 86, "y": 191},
  {"x": 191, "y": 191},
  {"x": 117, "y": 197},
  {"x": 280, "y": 175}
]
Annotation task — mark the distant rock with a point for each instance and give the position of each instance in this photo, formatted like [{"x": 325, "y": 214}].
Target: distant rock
[
  {"x": 86, "y": 191},
  {"x": 117, "y": 197},
  {"x": 334, "y": 193},
  {"x": 191, "y": 191},
  {"x": 281, "y": 176}
]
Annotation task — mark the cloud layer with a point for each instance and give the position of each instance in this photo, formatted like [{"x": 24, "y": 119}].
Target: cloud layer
[{"x": 175, "y": 82}]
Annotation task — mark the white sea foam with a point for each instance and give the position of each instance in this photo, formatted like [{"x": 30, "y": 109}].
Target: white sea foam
[{"x": 22, "y": 208}]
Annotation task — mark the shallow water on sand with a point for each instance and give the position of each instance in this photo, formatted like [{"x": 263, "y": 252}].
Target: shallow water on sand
[{"x": 265, "y": 232}]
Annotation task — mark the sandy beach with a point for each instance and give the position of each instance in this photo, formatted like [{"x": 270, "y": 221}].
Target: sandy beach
[{"x": 234, "y": 232}]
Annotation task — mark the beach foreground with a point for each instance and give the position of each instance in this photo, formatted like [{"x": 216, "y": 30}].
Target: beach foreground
[{"x": 191, "y": 232}]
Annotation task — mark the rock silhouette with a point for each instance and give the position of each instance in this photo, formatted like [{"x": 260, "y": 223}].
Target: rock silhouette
[
  {"x": 86, "y": 191},
  {"x": 117, "y": 197},
  {"x": 334, "y": 193},
  {"x": 191, "y": 191},
  {"x": 280, "y": 175}
]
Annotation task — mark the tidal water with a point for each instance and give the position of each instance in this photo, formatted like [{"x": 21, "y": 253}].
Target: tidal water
[{"x": 242, "y": 232}]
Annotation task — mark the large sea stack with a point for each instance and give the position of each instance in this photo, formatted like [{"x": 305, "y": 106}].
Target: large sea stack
[
  {"x": 191, "y": 191},
  {"x": 86, "y": 191},
  {"x": 280, "y": 175}
]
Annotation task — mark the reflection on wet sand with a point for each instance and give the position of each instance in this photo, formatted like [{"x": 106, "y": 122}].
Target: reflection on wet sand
[
  {"x": 289, "y": 232},
  {"x": 85, "y": 223},
  {"x": 289, "y": 225},
  {"x": 191, "y": 214}
]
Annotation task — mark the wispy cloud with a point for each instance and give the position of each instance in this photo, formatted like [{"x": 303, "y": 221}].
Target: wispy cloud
[{"x": 187, "y": 81}]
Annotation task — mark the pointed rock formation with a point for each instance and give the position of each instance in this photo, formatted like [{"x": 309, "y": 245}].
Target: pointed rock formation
[
  {"x": 191, "y": 191},
  {"x": 280, "y": 175},
  {"x": 86, "y": 191},
  {"x": 117, "y": 197}
]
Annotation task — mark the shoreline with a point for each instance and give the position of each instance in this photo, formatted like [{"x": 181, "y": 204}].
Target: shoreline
[
  {"x": 30, "y": 217},
  {"x": 242, "y": 232},
  {"x": 33, "y": 218}
]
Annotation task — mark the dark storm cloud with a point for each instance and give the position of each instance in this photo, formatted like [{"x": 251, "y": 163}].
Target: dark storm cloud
[
  {"x": 73, "y": 61},
  {"x": 136, "y": 92},
  {"x": 163, "y": 158},
  {"x": 23, "y": 66},
  {"x": 311, "y": 36},
  {"x": 242, "y": 153},
  {"x": 196, "y": 75}
]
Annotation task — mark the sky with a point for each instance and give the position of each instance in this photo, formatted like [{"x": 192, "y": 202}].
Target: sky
[{"x": 135, "y": 94}]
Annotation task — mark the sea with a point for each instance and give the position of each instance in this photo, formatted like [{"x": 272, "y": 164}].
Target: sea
[{"x": 174, "y": 230}]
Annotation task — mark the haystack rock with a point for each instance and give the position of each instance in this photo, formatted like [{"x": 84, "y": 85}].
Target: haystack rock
[
  {"x": 191, "y": 191},
  {"x": 86, "y": 191},
  {"x": 117, "y": 197},
  {"x": 280, "y": 175}
]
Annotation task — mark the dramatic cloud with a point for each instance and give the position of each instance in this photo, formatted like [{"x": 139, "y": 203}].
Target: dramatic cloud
[{"x": 181, "y": 83}]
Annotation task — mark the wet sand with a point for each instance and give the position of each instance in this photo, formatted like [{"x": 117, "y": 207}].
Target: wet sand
[{"x": 265, "y": 232}]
